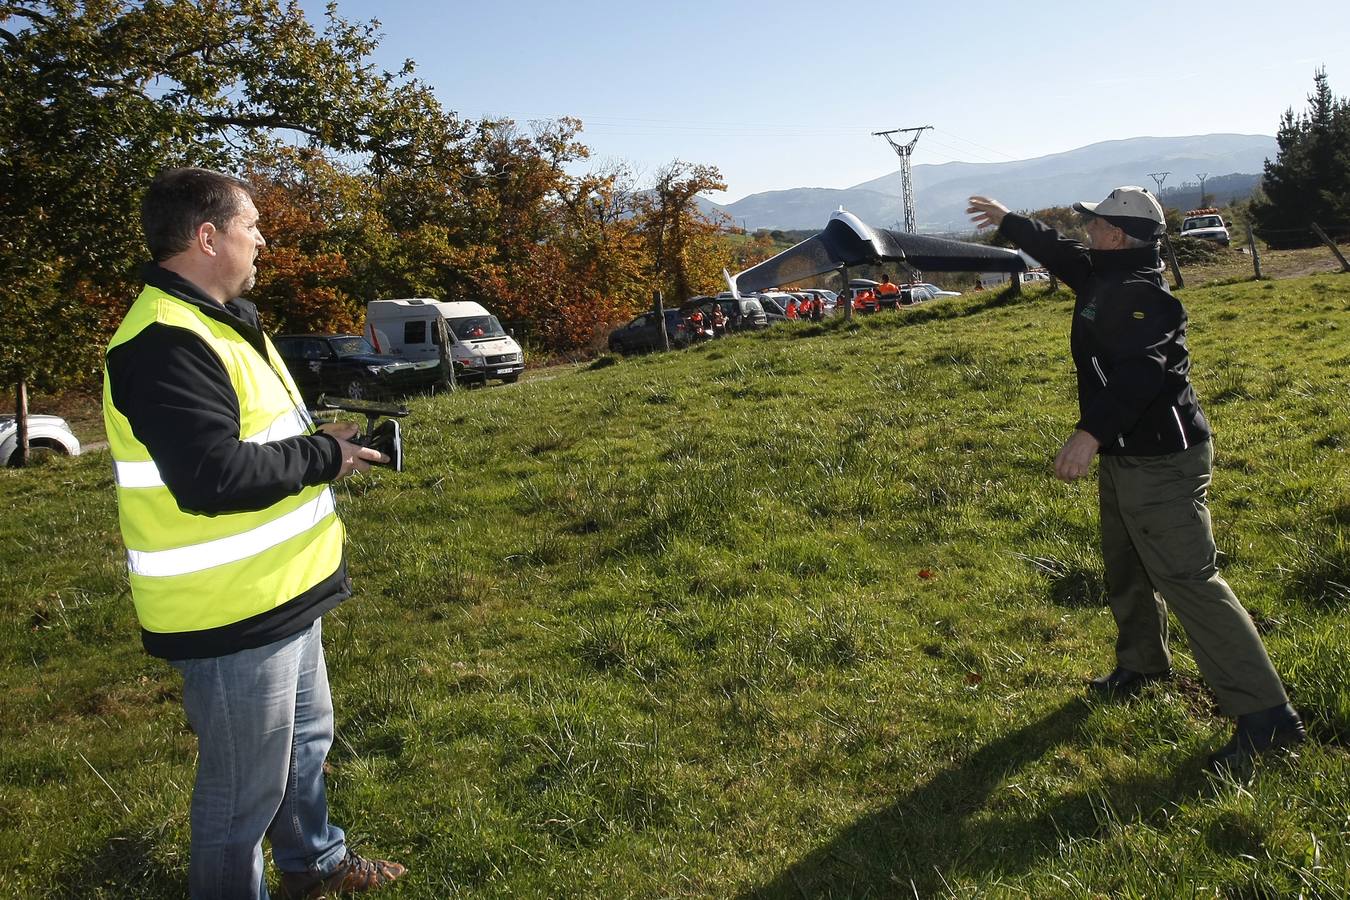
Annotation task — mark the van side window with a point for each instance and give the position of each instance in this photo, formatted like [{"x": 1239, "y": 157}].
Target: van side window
[{"x": 415, "y": 331}]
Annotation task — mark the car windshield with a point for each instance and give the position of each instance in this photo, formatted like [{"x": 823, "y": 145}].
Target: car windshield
[
  {"x": 351, "y": 346},
  {"x": 1204, "y": 222},
  {"x": 750, "y": 306},
  {"x": 470, "y": 327}
]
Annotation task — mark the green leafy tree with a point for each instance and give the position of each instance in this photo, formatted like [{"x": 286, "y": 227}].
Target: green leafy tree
[
  {"x": 1309, "y": 179},
  {"x": 96, "y": 97},
  {"x": 687, "y": 255}
]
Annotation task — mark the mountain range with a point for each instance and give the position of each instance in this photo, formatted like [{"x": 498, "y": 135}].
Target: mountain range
[{"x": 940, "y": 191}]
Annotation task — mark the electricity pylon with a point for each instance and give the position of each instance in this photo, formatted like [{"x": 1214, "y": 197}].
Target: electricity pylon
[
  {"x": 906, "y": 179},
  {"x": 1158, "y": 179}
]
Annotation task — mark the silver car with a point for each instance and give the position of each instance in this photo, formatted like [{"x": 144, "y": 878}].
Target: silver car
[{"x": 46, "y": 435}]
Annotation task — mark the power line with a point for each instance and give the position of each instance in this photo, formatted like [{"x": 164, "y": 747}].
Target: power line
[{"x": 981, "y": 146}]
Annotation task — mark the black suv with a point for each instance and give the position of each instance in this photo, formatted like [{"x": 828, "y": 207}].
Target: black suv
[
  {"x": 644, "y": 333},
  {"x": 744, "y": 314},
  {"x": 346, "y": 365}
]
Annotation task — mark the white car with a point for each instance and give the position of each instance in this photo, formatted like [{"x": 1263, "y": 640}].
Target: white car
[
  {"x": 937, "y": 291},
  {"x": 46, "y": 434}
]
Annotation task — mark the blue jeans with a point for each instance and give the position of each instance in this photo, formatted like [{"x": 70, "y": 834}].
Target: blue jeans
[{"x": 264, "y": 723}]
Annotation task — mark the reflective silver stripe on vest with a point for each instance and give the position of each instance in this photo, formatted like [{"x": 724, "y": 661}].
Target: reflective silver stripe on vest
[
  {"x": 137, "y": 474},
  {"x": 288, "y": 424},
  {"x": 197, "y": 557},
  {"x": 292, "y": 423}
]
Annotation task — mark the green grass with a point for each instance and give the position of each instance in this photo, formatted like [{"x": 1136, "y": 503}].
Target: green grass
[{"x": 795, "y": 614}]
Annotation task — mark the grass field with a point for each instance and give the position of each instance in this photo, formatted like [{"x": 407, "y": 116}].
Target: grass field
[{"x": 799, "y": 614}]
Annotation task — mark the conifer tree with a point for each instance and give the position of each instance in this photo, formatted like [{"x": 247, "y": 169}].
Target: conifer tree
[{"x": 1309, "y": 180}]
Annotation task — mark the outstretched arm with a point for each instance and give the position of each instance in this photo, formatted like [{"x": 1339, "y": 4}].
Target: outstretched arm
[{"x": 986, "y": 211}]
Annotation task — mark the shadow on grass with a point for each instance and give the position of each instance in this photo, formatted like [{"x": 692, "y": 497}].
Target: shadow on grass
[
  {"x": 943, "y": 828},
  {"x": 127, "y": 865}
]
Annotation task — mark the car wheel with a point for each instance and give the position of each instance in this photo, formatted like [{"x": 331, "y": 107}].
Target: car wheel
[
  {"x": 39, "y": 452},
  {"x": 357, "y": 390}
]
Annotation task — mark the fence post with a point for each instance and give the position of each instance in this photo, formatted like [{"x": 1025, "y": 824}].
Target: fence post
[
  {"x": 1172, "y": 258},
  {"x": 1256, "y": 256},
  {"x": 1345, "y": 266},
  {"x": 21, "y": 449},
  {"x": 658, "y": 303},
  {"x": 846, "y": 294}
]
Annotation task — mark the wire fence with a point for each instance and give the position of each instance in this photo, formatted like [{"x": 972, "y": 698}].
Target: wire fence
[{"x": 1305, "y": 236}]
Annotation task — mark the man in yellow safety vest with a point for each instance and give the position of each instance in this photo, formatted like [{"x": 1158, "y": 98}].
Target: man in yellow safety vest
[{"x": 234, "y": 548}]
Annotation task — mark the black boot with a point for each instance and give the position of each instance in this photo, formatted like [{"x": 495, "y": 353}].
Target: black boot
[
  {"x": 1260, "y": 732},
  {"x": 1124, "y": 682}
]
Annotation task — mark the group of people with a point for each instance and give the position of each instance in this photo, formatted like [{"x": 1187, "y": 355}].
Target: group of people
[
  {"x": 808, "y": 308},
  {"x": 704, "y": 326},
  {"x": 235, "y": 549}
]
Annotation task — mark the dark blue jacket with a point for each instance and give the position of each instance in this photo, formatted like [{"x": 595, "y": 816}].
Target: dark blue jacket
[{"x": 1128, "y": 342}]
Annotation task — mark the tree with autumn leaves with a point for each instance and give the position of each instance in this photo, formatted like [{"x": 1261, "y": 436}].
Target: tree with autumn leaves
[{"x": 368, "y": 188}]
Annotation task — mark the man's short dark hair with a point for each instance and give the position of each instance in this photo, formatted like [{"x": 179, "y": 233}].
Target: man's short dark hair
[{"x": 178, "y": 201}]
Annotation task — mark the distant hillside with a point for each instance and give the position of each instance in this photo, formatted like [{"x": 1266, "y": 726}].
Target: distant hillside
[
  {"x": 1054, "y": 180},
  {"x": 1221, "y": 191}
]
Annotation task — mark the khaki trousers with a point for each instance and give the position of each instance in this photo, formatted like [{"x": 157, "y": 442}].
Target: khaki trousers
[{"x": 1158, "y": 547}]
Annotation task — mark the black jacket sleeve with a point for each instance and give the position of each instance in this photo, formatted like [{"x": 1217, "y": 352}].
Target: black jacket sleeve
[
  {"x": 1067, "y": 259},
  {"x": 1136, "y": 350},
  {"x": 177, "y": 396}
]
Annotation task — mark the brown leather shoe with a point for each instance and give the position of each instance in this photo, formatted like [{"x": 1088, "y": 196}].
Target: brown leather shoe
[{"x": 354, "y": 875}]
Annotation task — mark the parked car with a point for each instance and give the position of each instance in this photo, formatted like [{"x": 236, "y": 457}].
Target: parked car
[
  {"x": 644, "y": 333},
  {"x": 773, "y": 310},
  {"x": 1206, "y": 224},
  {"x": 937, "y": 291},
  {"x": 47, "y": 435},
  {"x": 830, "y": 297},
  {"x": 742, "y": 315},
  {"x": 780, "y": 300},
  {"x": 346, "y": 365},
  {"x": 910, "y": 294}
]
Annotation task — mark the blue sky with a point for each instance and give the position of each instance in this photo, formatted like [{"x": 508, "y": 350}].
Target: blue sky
[{"x": 786, "y": 94}]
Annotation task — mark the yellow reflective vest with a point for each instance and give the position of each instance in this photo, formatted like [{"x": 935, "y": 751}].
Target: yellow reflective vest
[{"x": 191, "y": 572}]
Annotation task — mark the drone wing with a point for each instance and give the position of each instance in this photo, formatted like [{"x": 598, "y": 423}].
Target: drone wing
[{"x": 848, "y": 241}]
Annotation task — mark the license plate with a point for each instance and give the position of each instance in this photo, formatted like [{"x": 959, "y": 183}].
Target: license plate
[{"x": 503, "y": 371}]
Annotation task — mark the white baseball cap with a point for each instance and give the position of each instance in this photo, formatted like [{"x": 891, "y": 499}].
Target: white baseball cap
[{"x": 1132, "y": 209}]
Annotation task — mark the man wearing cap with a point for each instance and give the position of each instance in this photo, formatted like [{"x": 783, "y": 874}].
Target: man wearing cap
[{"x": 1138, "y": 411}]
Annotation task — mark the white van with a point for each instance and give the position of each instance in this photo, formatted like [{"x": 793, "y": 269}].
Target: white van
[{"x": 413, "y": 329}]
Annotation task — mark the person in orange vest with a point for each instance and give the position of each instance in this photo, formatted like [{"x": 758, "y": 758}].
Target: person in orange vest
[
  {"x": 887, "y": 288},
  {"x": 719, "y": 322},
  {"x": 696, "y": 323},
  {"x": 791, "y": 310},
  {"x": 866, "y": 301}
]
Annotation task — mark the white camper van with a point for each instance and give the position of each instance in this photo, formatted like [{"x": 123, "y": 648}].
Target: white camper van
[{"x": 480, "y": 347}]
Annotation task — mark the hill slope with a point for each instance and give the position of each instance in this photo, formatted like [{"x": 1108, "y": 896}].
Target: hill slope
[
  {"x": 793, "y": 614},
  {"x": 1057, "y": 179}
]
